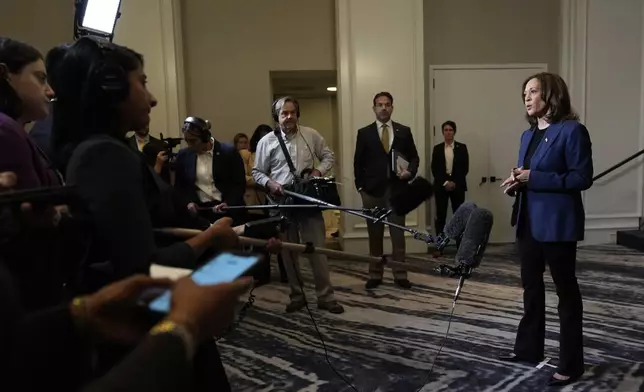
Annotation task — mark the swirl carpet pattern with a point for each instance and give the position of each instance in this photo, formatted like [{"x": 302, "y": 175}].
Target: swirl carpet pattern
[{"x": 388, "y": 338}]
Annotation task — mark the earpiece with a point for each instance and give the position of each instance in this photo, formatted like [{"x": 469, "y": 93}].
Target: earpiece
[
  {"x": 201, "y": 125},
  {"x": 275, "y": 110}
]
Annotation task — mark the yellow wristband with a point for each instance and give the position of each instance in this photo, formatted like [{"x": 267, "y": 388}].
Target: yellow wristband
[
  {"x": 79, "y": 312},
  {"x": 171, "y": 327}
]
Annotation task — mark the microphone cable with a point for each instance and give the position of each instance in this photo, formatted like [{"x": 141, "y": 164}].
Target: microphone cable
[
  {"x": 243, "y": 312},
  {"x": 431, "y": 369},
  {"x": 315, "y": 325}
]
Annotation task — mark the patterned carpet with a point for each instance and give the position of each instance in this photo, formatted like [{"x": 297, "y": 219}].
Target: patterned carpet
[{"x": 386, "y": 340}]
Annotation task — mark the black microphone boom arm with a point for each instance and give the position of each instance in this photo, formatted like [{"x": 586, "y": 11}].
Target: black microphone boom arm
[{"x": 425, "y": 237}]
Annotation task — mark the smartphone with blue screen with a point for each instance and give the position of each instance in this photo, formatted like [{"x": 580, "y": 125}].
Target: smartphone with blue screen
[{"x": 223, "y": 268}]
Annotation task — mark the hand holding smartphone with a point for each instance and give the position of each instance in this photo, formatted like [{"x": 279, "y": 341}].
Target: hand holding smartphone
[{"x": 226, "y": 267}]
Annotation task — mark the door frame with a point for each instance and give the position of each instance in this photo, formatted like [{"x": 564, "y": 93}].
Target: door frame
[{"x": 430, "y": 86}]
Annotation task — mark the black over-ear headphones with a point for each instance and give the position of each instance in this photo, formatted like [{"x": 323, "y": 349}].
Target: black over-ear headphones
[
  {"x": 280, "y": 102},
  {"x": 107, "y": 81},
  {"x": 200, "y": 125}
]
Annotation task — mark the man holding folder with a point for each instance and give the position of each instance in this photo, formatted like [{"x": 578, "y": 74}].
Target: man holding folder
[{"x": 385, "y": 160}]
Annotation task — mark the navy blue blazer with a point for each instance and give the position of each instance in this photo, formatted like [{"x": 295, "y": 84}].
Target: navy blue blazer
[
  {"x": 228, "y": 173},
  {"x": 560, "y": 169}
]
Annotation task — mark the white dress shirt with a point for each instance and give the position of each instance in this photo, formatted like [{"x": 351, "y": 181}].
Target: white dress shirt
[
  {"x": 390, "y": 128},
  {"x": 303, "y": 146},
  {"x": 206, "y": 189},
  {"x": 449, "y": 157}
]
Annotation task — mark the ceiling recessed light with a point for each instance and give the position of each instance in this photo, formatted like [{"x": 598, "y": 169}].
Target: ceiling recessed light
[{"x": 331, "y": 89}]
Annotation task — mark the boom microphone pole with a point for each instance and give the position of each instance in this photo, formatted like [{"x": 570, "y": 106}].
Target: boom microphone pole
[
  {"x": 300, "y": 248},
  {"x": 415, "y": 233},
  {"x": 377, "y": 213}
]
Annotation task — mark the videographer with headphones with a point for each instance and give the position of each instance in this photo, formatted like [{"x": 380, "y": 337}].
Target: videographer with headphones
[
  {"x": 209, "y": 174},
  {"x": 282, "y": 157},
  {"x": 101, "y": 95}
]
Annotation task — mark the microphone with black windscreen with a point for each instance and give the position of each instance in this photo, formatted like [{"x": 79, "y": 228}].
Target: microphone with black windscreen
[
  {"x": 473, "y": 244},
  {"x": 411, "y": 196},
  {"x": 455, "y": 226},
  {"x": 475, "y": 238}
]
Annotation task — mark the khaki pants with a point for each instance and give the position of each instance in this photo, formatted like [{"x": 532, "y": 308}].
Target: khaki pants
[
  {"x": 376, "y": 236},
  {"x": 308, "y": 227}
]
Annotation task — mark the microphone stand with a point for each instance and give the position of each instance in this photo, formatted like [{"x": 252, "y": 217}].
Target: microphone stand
[{"x": 462, "y": 271}]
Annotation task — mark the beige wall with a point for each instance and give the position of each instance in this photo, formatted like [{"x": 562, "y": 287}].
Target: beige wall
[
  {"x": 490, "y": 32},
  {"x": 230, "y": 46},
  {"x": 321, "y": 114},
  {"x": 41, "y": 23}
]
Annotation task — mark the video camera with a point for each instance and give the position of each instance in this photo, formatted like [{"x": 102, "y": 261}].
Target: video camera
[{"x": 170, "y": 144}]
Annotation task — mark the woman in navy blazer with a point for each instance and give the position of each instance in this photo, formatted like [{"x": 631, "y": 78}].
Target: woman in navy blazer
[{"x": 555, "y": 165}]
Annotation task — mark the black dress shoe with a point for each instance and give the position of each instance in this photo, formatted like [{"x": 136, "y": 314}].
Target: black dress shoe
[
  {"x": 294, "y": 306},
  {"x": 404, "y": 283},
  {"x": 555, "y": 382},
  {"x": 333, "y": 307},
  {"x": 514, "y": 358},
  {"x": 373, "y": 283}
]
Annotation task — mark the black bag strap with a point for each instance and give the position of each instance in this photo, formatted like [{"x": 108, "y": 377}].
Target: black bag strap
[{"x": 289, "y": 161}]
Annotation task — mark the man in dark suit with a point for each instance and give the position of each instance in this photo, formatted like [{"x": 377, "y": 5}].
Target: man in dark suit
[
  {"x": 209, "y": 173},
  {"x": 153, "y": 149},
  {"x": 378, "y": 176},
  {"x": 450, "y": 165}
]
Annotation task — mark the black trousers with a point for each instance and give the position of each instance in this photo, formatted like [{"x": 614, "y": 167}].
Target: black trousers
[
  {"x": 561, "y": 258},
  {"x": 442, "y": 197},
  {"x": 262, "y": 271}
]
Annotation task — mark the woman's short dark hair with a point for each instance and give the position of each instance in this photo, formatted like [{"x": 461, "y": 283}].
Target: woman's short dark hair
[
  {"x": 15, "y": 55},
  {"x": 239, "y": 136},
  {"x": 79, "y": 75},
  {"x": 554, "y": 92},
  {"x": 259, "y": 133},
  {"x": 450, "y": 123}
]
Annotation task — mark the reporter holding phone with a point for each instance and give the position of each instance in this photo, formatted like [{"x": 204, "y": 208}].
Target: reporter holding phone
[
  {"x": 55, "y": 343},
  {"x": 555, "y": 165}
]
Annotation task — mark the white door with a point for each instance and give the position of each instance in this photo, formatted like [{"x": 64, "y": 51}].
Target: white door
[{"x": 486, "y": 104}]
